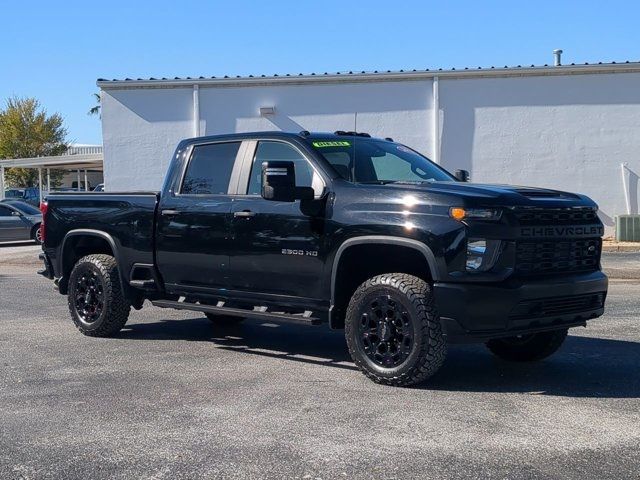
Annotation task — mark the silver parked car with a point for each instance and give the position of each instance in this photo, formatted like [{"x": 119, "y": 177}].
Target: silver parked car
[{"x": 19, "y": 221}]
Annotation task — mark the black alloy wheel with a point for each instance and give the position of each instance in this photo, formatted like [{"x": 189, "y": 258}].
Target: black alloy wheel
[
  {"x": 393, "y": 330},
  {"x": 97, "y": 304},
  {"x": 89, "y": 296},
  {"x": 386, "y": 333}
]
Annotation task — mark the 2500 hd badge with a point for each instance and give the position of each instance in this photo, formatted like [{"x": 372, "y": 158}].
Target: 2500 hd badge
[{"x": 290, "y": 251}]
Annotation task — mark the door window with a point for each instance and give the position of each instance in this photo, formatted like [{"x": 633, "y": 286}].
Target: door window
[
  {"x": 5, "y": 212},
  {"x": 273, "y": 151},
  {"x": 209, "y": 169}
]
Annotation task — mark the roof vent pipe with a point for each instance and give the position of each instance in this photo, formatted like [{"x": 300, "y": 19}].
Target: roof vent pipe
[{"x": 557, "y": 53}]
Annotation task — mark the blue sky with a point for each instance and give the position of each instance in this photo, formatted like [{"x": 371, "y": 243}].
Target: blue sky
[{"x": 55, "y": 51}]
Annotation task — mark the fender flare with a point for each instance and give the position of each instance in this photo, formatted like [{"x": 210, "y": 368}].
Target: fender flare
[
  {"x": 384, "y": 240},
  {"x": 86, "y": 232}
]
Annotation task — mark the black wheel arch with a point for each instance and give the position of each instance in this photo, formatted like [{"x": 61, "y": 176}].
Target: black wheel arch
[{"x": 92, "y": 242}]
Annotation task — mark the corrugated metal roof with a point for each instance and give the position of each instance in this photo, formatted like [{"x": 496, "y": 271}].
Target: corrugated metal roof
[{"x": 517, "y": 70}]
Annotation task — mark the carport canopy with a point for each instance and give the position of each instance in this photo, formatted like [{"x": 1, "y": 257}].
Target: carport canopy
[{"x": 86, "y": 159}]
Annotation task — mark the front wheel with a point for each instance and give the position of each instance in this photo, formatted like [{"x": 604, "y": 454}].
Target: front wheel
[
  {"x": 393, "y": 330},
  {"x": 97, "y": 304},
  {"x": 528, "y": 348}
]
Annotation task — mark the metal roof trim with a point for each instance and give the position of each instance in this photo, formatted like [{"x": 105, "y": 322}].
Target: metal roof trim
[{"x": 227, "y": 81}]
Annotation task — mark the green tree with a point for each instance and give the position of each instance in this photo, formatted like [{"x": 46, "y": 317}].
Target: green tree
[
  {"x": 95, "y": 110},
  {"x": 27, "y": 131}
]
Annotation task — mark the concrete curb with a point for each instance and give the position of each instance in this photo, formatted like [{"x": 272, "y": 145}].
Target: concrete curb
[
  {"x": 612, "y": 248},
  {"x": 617, "y": 274}
]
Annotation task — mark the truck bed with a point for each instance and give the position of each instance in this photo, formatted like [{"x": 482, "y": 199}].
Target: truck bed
[{"x": 128, "y": 219}]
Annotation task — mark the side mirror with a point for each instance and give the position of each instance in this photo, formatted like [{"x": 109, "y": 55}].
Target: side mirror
[
  {"x": 15, "y": 214},
  {"x": 279, "y": 183},
  {"x": 462, "y": 175}
]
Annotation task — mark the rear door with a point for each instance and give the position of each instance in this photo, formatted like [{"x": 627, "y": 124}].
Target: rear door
[
  {"x": 275, "y": 247},
  {"x": 194, "y": 222}
]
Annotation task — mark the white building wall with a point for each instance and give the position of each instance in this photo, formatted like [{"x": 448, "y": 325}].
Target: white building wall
[
  {"x": 140, "y": 130},
  {"x": 141, "y": 127},
  {"x": 565, "y": 132},
  {"x": 569, "y": 132},
  {"x": 401, "y": 110},
  {"x": 93, "y": 178}
]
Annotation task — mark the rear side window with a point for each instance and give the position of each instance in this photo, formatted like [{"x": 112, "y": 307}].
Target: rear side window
[{"x": 209, "y": 169}]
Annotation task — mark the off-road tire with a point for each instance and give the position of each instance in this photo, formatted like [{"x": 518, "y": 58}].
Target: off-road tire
[
  {"x": 116, "y": 308},
  {"x": 428, "y": 349},
  {"x": 528, "y": 348},
  {"x": 224, "y": 320}
]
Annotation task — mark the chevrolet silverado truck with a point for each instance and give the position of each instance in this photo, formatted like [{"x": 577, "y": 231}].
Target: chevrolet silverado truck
[{"x": 358, "y": 233}]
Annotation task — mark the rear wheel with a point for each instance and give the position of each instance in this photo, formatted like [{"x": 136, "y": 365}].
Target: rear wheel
[
  {"x": 393, "y": 330},
  {"x": 97, "y": 304},
  {"x": 528, "y": 348},
  {"x": 36, "y": 234}
]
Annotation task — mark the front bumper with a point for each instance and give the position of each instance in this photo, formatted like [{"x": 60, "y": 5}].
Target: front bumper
[{"x": 479, "y": 312}]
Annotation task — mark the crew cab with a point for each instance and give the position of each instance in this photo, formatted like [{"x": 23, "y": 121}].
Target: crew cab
[{"x": 345, "y": 230}]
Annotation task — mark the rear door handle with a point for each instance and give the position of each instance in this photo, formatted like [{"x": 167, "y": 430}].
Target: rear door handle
[
  {"x": 170, "y": 212},
  {"x": 244, "y": 214}
]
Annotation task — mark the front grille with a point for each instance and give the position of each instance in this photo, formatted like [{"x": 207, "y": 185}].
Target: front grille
[
  {"x": 557, "y": 306},
  {"x": 552, "y": 257},
  {"x": 555, "y": 216}
]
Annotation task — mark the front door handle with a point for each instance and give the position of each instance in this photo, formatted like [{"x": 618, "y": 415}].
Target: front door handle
[
  {"x": 170, "y": 212},
  {"x": 244, "y": 214}
]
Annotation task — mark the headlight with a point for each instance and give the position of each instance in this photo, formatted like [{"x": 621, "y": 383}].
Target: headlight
[
  {"x": 482, "y": 254},
  {"x": 459, "y": 213}
]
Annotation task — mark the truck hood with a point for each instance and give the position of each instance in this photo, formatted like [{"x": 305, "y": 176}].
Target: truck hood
[{"x": 497, "y": 195}]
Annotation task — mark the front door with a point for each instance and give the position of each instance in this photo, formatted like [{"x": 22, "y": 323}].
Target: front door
[
  {"x": 12, "y": 225},
  {"x": 275, "y": 247},
  {"x": 194, "y": 223}
]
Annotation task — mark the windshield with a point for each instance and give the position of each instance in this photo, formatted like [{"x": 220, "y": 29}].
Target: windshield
[
  {"x": 366, "y": 160},
  {"x": 25, "y": 208}
]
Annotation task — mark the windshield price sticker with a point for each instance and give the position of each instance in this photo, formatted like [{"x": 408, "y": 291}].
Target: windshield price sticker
[{"x": 331, "y": 144}]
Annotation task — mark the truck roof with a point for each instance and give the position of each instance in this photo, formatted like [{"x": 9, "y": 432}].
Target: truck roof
[{"x": 279, "y": 135}]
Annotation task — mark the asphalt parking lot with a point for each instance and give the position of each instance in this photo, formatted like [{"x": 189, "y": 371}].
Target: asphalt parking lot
[{"x": 175, "y": 397}]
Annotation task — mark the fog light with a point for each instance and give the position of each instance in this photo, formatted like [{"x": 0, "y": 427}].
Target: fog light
[
  {"x": 482, "y": 254},
  {"x": 475, "y": 254}
]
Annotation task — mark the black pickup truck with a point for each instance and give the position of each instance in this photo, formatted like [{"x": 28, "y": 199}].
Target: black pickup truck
[{"x": 360, "y": 233}]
